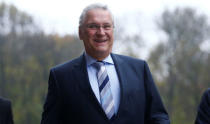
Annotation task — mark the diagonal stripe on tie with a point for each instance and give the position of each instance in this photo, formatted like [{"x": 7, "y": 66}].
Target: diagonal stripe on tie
[
  {"x": 102, "y": 77},
  {"x": 105, "y": 81},
  {"x": 106, "y": 97}
]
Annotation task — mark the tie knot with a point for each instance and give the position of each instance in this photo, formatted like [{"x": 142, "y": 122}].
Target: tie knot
[{"x": 98, "y": 64}]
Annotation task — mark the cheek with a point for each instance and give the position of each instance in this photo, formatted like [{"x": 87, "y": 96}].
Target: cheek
[
  {"x": 86, "y": 35},
  {"x": 89, "y": 34},
  {"x": 110, "y": 34}
]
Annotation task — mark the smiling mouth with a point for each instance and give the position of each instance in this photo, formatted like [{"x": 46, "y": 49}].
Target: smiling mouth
[{"x": 100, "y": 41}]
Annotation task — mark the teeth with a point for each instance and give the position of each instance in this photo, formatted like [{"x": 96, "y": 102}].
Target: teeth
[{"x": 100, "y": 40}]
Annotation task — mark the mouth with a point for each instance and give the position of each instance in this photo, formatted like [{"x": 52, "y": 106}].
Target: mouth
[{"x": 100, "y": 40}]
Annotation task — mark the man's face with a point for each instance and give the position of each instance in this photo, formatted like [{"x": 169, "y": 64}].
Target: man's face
[{"x": 97, "y": 33}]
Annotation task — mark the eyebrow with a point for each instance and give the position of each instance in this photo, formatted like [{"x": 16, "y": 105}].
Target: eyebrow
[{"x": 98, "y": 24}]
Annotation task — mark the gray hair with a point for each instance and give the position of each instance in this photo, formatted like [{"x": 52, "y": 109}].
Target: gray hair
[{"x": 91, "y": 7}]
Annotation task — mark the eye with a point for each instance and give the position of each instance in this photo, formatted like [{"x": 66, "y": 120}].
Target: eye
[
  {"x": 107, "y": 27},
  {"x": 93, "y": 26}
]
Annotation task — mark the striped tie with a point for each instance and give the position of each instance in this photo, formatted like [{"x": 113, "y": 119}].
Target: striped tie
[{"x": 106, "y": 98}]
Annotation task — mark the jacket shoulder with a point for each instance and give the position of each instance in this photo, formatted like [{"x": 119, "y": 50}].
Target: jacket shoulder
[
  {"x": 206, "y": 95},
  {"x": 128, "y": 59},
  {"x": 68, "y": 65},
  {"x": 4, "y": 103}
]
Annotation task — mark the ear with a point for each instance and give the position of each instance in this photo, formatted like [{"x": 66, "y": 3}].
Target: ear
[{"x": 80, "y": 33}]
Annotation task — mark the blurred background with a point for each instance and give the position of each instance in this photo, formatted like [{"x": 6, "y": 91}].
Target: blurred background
[{"x": 173, "y": 36}]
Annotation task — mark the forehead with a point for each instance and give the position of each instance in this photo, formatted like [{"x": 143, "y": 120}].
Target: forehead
[{"x": 98, "y": 16}]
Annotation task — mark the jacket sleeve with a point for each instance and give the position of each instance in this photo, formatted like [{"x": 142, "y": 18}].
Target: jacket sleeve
[
  {"x": 51, "y": 113},
  {"x": 203, "y": 115},
  {"x": 155, "y": 111},
  {"x": 9, "y": 114}
]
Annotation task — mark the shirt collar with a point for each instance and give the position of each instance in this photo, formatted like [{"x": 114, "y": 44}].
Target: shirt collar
[{"x": 90, "y": 60}]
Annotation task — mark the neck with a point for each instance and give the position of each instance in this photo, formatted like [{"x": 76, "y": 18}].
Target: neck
[{"x": 99, "y": 57}]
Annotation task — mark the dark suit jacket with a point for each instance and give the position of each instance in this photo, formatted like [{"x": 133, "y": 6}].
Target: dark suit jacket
[
  {"x": 203, "y": 115},
  {"x": 70, "y": 99},
  {"x": 5, "y": 112}
]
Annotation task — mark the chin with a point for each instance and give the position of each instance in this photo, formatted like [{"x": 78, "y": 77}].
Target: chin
[{"x": 103, "y": 50}]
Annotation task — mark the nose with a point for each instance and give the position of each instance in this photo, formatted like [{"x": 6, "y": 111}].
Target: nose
[{"x": 100, "y": 31}]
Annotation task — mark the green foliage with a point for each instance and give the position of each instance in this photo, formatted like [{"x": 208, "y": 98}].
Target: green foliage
[
  {"x": 180, "y": 62},
  {"x": 26, "y": 55}
]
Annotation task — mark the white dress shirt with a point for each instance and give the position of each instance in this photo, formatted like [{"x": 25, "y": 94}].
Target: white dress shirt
[{"x": 113, "y": 78}]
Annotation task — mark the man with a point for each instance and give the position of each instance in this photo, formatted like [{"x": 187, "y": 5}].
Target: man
[
  {"x": 100, "y": 87},
  {"x": 5, "y": 112},
  {"x": 203, "y": 116}
]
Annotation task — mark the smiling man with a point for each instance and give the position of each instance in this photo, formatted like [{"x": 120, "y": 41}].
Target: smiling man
[
  {"x": 96, "y": 31},
  {"x": 100, "y": 87}
]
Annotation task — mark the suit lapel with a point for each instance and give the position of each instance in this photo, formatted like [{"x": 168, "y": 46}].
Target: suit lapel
[{"x": 81, "y": 76}]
